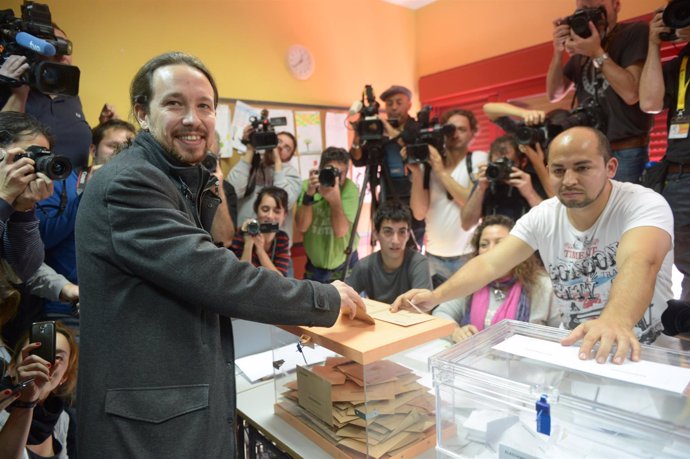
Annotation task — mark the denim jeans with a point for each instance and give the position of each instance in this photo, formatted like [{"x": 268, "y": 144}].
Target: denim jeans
[
  {"x": 677, "y": 193},
  {"x": 631, "y": 163},
  {"x": 446, "y": 266}
]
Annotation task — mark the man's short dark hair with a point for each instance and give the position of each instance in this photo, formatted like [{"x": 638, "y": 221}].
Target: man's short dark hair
[
  {"x": 99, "y": 131},
  {"x": 393, "y": 210},
  {"x": 501, "y": 142},
  {"x": 141, "y": 90},
  {"x": 279, "y": 194},
  {"x": 462, "y": 112},
  {"x": 15, "y": 126},
  {"x": 334, "y": 154}
]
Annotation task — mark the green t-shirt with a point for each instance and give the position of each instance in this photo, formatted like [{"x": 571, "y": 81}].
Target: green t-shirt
[{"x": 322, "y": 247}]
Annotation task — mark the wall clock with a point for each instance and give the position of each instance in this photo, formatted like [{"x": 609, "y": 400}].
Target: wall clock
[{"x": 300, "y": 62}]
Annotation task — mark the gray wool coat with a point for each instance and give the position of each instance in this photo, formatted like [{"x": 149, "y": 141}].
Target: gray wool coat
[{"x": 156, "y": 371}]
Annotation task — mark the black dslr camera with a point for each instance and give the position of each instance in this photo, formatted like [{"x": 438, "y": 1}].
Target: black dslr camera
[
  {"x": 33, "y": 36},
  {"x": 426, "y": 131},
  {"x": 327, "y": 175},
  {"x": 264, "y": 136},
  {"x": 499, "y": 170},
  {"x": 370, "y": 126},
  {"x": 254, "y": 227},
  {"x": 579, "y": 20},
  {"x": 54, "y": 166},
  {"x": 676, "y": 15},
  {"x": 589, "y": 114}
]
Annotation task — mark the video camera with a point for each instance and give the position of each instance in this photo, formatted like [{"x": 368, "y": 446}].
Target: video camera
[
  {"x": 676, "y": 15},
  {"x": 580, "y": 19},
  {"x": 590, "y": 114},
  {"x": 417, "y": 136},
  {"x": 370, "y": 126},
  {"x": 254, "y": 227},
  {"x": 54, "y": 166},
  {"x": 264, "y": 136},
  {"x": 33, "y": 36}
]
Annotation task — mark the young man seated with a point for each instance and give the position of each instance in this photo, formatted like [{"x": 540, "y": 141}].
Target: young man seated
[{"x": 394, "y": 269}]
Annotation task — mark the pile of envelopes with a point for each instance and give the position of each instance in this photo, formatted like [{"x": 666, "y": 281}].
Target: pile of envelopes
[{"x": 385, "y": 415}]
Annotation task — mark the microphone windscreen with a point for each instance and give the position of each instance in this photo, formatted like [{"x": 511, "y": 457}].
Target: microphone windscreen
[{"x": 35, "y": 44}]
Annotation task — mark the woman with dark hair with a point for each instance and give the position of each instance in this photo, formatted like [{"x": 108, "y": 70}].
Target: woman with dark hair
[
  {"x": 257, "y": 170},
  {"x": 261, "y": 241},
  {"x": 50, "y": 423},
  {"x": 523, "y": 294}
]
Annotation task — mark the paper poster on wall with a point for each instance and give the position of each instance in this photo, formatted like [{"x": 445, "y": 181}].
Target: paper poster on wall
[
  {"x": 224, "y": 129},
  {"x": 307, "y": 163},
  {"x": 239, "y": 121},
  {"x": 289, "y": 119},
  {"x": 308, "y": 126},
  {"x": 336, "y": 130}
]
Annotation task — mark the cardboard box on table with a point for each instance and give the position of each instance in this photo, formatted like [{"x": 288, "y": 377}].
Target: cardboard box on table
[
  {"x": 489, "y": 385},
  {"x": 364, "y": 399}
]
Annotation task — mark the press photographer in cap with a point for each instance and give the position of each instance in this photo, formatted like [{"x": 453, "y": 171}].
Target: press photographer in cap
[
  {"x": 604, "y": 68},
  {"x": 395, "y": 183}
]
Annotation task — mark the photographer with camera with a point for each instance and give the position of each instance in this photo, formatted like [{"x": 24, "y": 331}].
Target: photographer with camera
[
  {"x": 395, "y": 183},
  {"x": 260, "y": 240},
  {"x": 506, "y": 185},
  {"x": 605, "y": 66},
  {"x": 665, "y": 86},
  {"x": 21, "y": 187},
  {"x": 259, "y": 169},
  {"x": 326, "y": 209},
  {"x": 450, "y": 184},
  {"x": 59, "y": 107}
]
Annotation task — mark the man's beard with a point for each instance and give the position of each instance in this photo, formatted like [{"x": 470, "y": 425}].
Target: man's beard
[{"x": 582, "y": 204}]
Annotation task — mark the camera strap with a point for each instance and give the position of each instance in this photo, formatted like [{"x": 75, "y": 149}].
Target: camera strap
[{"x": 468, "y": 163}]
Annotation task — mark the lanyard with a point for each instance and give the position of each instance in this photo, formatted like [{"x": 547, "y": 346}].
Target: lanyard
[{"x": 682, "y": 85}]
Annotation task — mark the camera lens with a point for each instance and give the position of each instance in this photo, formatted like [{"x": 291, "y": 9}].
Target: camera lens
[{"x": 55, "y": 167}]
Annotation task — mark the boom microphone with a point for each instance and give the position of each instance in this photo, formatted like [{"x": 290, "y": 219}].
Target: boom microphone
[
  {"x": 676, "y": 318},
  {"x": 35, "y": 44}
]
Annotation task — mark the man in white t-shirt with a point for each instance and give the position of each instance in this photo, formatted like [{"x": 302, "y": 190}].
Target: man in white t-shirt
[
  {"x": 594, "y": 231},
  {"x": 450, "y": 185}
]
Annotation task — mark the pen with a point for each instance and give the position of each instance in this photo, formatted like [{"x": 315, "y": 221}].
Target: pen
[{"x": 415, "y": 307}]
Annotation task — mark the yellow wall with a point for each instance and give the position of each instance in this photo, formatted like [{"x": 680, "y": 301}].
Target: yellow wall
[
  {"x": 243, "y": 42},
  {"x": 451, "y": 33}
]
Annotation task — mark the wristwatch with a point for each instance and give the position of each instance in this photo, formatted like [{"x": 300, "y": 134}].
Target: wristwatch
[{"x": 599, "y": 61}]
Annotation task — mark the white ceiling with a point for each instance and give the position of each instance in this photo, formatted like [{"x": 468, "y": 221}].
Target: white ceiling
[{"x": 411, "y": 4}]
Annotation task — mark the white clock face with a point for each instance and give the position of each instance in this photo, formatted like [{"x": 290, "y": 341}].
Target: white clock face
[{"x": 300, "y": 61}]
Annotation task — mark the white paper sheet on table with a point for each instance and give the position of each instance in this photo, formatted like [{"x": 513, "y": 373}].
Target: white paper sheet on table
[
  {"x": 260, "y": 366},
  {"x": 650, "y": 374}
]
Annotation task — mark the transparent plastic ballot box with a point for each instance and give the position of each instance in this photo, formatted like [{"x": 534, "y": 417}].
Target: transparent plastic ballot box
[
  {"x": 362, "y": 389},
  {"x": 513, "y": 391}
]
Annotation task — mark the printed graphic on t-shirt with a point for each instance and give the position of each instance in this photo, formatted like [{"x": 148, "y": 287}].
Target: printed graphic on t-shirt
[
  {"x": 582, "y": 276},
  {"x": 593, "y": 82}
]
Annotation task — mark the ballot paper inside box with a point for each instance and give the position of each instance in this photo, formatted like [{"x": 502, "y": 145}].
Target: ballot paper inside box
[
  {"x": 490, "y": 389},
  {"x": 368, "y": 399}
]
